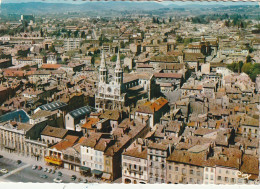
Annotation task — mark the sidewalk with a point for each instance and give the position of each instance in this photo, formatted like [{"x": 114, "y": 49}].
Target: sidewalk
[{"x": 32, "y": 161}]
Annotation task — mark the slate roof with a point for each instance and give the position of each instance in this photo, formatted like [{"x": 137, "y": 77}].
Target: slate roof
[
  {"x": 81, "y": 111},
  {"x": 53, "y": 106}
]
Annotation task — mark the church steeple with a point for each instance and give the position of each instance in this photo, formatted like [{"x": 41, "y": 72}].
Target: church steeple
[
  {"x": 118, "y": 70},
  {"x": 103, "y": 69}
]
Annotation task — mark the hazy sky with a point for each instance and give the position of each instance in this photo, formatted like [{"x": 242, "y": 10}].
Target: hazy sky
[{"x": 166, "y": 2}]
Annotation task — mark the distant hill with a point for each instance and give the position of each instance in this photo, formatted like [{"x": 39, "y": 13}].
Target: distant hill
[
  {"x": 35, "y": 8},
  {"x": 107, "y": 8}
]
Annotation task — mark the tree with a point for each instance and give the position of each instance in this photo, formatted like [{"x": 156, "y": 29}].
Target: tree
[
  {"x": 113, "y": 58},
  {"x": 126, "y": 69},
  {"x": 163, "y": 21},
  {"x": 92, "y": 60},
  {"x": 154, "y": 20},
  {"x": 232, "y": 67},
  {"x": 52, "y": 48},
  {"x": 76, "y": 33},
  {"x": 254, "y": 71},
  {"x": 83, "y": 35},
  {"x": 247, "y": 68},
  {"x": 68, "y": 33},
  {"x": 248, "y": 58},
  {"x": 179, "y": 39},
  {"x": 170, "y": 19},
  {"x": 239, "y": 66},
  {"x": 122, "y": 44}
]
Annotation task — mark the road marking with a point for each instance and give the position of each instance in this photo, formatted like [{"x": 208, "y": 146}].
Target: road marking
[{"x": 15, "y": 171}]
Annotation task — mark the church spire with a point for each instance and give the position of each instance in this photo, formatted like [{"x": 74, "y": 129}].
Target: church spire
[
  {"x": 118, "y": 70},
  {"x": 103, "y": 69},
  {"x": 118, "y": 63},
  {"x": 103, "y": 61}
]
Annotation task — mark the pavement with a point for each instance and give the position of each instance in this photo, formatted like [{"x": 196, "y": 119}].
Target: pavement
[{"x": 24, "y": 173}]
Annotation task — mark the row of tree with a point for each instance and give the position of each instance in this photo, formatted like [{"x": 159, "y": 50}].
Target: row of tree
[{"x": 249, "y": 68}]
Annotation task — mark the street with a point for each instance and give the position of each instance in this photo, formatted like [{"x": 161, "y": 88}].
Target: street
[{"x": 24, "y": 173}]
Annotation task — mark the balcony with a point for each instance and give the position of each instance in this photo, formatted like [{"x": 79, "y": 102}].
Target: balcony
[{"x": 71, "y": 159}]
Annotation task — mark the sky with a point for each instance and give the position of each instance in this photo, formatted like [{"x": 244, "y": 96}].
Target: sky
[{"x": 165, "y": 2}]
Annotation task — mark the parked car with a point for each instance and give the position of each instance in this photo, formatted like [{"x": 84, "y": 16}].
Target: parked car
[
  {"x": 59, "y": 173},
  {"x": 73, "y": 177},
  {"x": 57, "y": 180},
  {"x": 50, "y": 170},
  {"x": 85, "y": 181},
  {"x": 4, "y": 171},
  {"x": 1, "y": 156},
  {"x": 39, "y": 168},
  {"x": 46, "y": 169},
  {"x": 44, "y": 176},
  {"x": 19, "y": 162},
  {"x": 34, "y": 167},
  {"x": 53, "y": 172}
]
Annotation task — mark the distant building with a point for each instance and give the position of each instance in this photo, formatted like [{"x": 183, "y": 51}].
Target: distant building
[{"x": 71, "y": 44}]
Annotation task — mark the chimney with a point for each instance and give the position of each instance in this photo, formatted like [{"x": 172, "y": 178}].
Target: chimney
[
  {"x": 140, "y": 148},
  {"x": 206, "y": 156}
]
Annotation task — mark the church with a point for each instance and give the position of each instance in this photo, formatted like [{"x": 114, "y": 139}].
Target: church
[{"x": 122, "y": 90}]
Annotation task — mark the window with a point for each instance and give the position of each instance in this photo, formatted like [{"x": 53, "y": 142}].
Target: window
[
  {"x": 226, "y": 179},
  {"x": 176, "y": 168},
  {"x": 219, "y": 171},
  {"x": 170, "y": 167},
  {"x": 170, "y": 176},
  {"x": 191, "y": 180},
  {"x": 176, "y": 177},
  {"x": 212, "y": 170},
  {"x": 219, "y": 177},
  {"x": 107, "y": 162},
  {"x": 233, "y": 180},
  {"x": 207, "y": 169},
  {"x": 227, "y": 172},
  {"x": 144, "y": 168},
  {"x": 211, "y": 177},
  {"x": 198, "y": 173},
  {"x": 191, "y": 172},
  {"x": 207, "y": 176},
  {"x": 183, "y": 171}
]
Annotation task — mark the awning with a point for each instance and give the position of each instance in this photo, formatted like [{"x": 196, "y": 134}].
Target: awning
[
  {"x": 53, "y": 160},
  {"x": 96, "y": 172},
  {"x": 106, "y": 176},
  {"x": 84, "y": 168}
]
